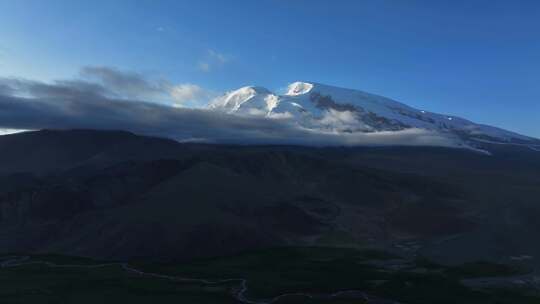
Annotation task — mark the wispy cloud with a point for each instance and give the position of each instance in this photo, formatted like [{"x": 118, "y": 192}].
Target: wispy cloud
[
  {"x": 212, "y": 59},
  {"x": 101, "y": 104},
  {"x": 218, "y": 57},
  {"x": 204, "y": 66},
  {"x": 190, "y": 94}
]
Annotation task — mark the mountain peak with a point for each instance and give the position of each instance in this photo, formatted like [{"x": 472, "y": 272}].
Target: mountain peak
[
  {"x": 235, "y": 101},
  {"x": 327, "y": 108},
  {"x": 299, "y": 88}
]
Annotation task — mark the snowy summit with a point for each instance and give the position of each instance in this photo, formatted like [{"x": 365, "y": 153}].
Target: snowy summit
[{"x": 333, "y": 109}]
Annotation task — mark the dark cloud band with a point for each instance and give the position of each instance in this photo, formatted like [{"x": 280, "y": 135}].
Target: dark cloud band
[{"x": 85, "y": 104}]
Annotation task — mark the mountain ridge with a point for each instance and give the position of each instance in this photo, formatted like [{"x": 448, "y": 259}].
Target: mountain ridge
[
  {"x": 109, "y": 194},
  {"x": 322, "y": 107}
]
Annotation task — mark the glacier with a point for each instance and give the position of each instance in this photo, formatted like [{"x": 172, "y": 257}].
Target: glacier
[{"x": 320, "y": 107}]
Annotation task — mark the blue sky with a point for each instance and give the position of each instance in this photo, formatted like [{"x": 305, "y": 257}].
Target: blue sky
[{"x": 476, "y": 59}]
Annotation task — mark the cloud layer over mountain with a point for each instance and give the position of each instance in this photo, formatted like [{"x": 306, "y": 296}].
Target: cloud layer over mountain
[{"x": 105, "y": 98}]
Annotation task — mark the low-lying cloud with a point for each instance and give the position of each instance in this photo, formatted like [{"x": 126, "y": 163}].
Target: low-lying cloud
[{"x": 109, "y": 99}]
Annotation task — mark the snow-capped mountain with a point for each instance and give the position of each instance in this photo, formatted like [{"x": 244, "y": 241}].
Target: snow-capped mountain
[{"x": 334, "y": 109}]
